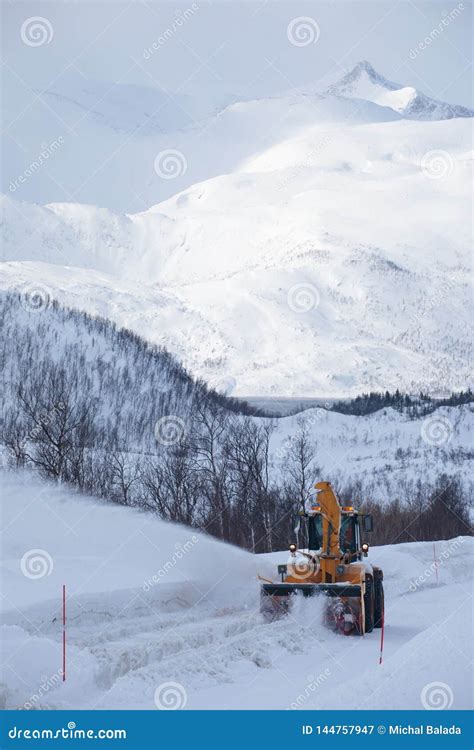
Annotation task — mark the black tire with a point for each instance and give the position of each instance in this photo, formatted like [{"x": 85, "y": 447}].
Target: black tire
[
  {"x": 369, "y": 601},
  {"x": 379, "y": 603}
]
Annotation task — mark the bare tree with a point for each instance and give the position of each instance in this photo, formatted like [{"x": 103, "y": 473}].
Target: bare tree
[
  {"x": 14, "y": 436},
  {"x": 298, "y": 466},
  {"x": 124, "y": 475},
  {"x": 59, "y": 420},
  {"x": 170, "y": 487},
  {"x": 249, "y": 453},
  {"x": 211, "y": 425}
]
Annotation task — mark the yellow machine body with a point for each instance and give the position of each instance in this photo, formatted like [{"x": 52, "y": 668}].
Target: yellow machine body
[{"x": 353, "y": 587}]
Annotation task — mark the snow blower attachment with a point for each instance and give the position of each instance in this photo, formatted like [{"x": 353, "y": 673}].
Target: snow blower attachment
[{"x": 333, "y": 565}]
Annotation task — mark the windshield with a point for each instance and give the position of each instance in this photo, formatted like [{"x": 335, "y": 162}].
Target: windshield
[
  {"x": 315, "y": 532},
  {"x": 347, "y": 536},
  {"x": 312, "y": 534}
]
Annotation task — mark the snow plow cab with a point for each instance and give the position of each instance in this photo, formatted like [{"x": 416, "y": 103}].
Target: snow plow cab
[{"x": 333, "y": 565}]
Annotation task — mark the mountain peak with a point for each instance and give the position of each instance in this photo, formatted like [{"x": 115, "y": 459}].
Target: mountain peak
[
  {"x": 364, "y": 65},
  {"x": 364, "y": 82},
  {"x": 362, "y": 70}
]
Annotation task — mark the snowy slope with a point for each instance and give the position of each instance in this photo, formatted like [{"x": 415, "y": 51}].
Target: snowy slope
[
  {"x": 326, "y": 231},
  {"x": 127, "y": 127},
  {"x": 363, "y": 82},
  {"x": 386, "y": 452},
  {"x": 124, "y": 126},
  {"x": 122, "y": 107},
  {"x": 388, "y": 301},
  {"x": 198, "y": 626},
  {"x": 131, "y": 387}
]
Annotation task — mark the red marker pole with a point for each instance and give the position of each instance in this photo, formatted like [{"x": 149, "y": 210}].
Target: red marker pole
[
  {"x": 64, "y": 632},
  {"x": 381, "y": 637}
]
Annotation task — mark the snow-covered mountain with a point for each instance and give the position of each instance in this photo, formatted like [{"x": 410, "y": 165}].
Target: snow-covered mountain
[
  {"x": 363, "y": 82},
  {"x": 309, "y": 245},
  {"x": 126, "y": 107},
  {"x": 131, "y": 387},
  {"x": 126, "y": 127},
  {"x": 149, "y": 620}
]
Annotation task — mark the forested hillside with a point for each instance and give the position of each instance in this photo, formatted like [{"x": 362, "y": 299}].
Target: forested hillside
[{"x": 102, "y": 410}]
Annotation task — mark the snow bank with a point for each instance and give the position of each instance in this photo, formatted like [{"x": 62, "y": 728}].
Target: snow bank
[
  {"x": 92, "y": 546},
  {"x": 197, "y": 623}
]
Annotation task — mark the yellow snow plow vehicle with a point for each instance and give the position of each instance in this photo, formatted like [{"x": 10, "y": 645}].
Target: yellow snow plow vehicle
[{"x": 333, "y": 564}]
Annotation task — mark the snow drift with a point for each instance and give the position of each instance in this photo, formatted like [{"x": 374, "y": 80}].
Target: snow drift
[{"x": 198, "y": 627}]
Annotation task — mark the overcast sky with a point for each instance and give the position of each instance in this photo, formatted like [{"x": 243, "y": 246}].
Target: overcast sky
[{"x": 243, "y": 47}]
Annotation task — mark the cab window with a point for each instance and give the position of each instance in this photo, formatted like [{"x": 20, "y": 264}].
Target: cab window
[
  {"x": 315, "y": 532},
  {"x": 347, "y": 540}
]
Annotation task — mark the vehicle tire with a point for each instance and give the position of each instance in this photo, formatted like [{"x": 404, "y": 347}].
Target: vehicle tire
[
  {"x": 379, "y": 603},
  {"x": 369, "y": 605}
]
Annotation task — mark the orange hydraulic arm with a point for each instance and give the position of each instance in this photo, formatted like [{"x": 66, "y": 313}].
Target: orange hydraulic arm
[{"x": 331, "y": 523}]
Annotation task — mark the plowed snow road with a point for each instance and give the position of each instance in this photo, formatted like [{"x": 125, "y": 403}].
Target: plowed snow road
[{"x": 196, "y": 638}]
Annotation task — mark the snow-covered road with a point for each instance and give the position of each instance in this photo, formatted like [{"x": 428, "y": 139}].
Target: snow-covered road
[{"x": 147, "y": 626}]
